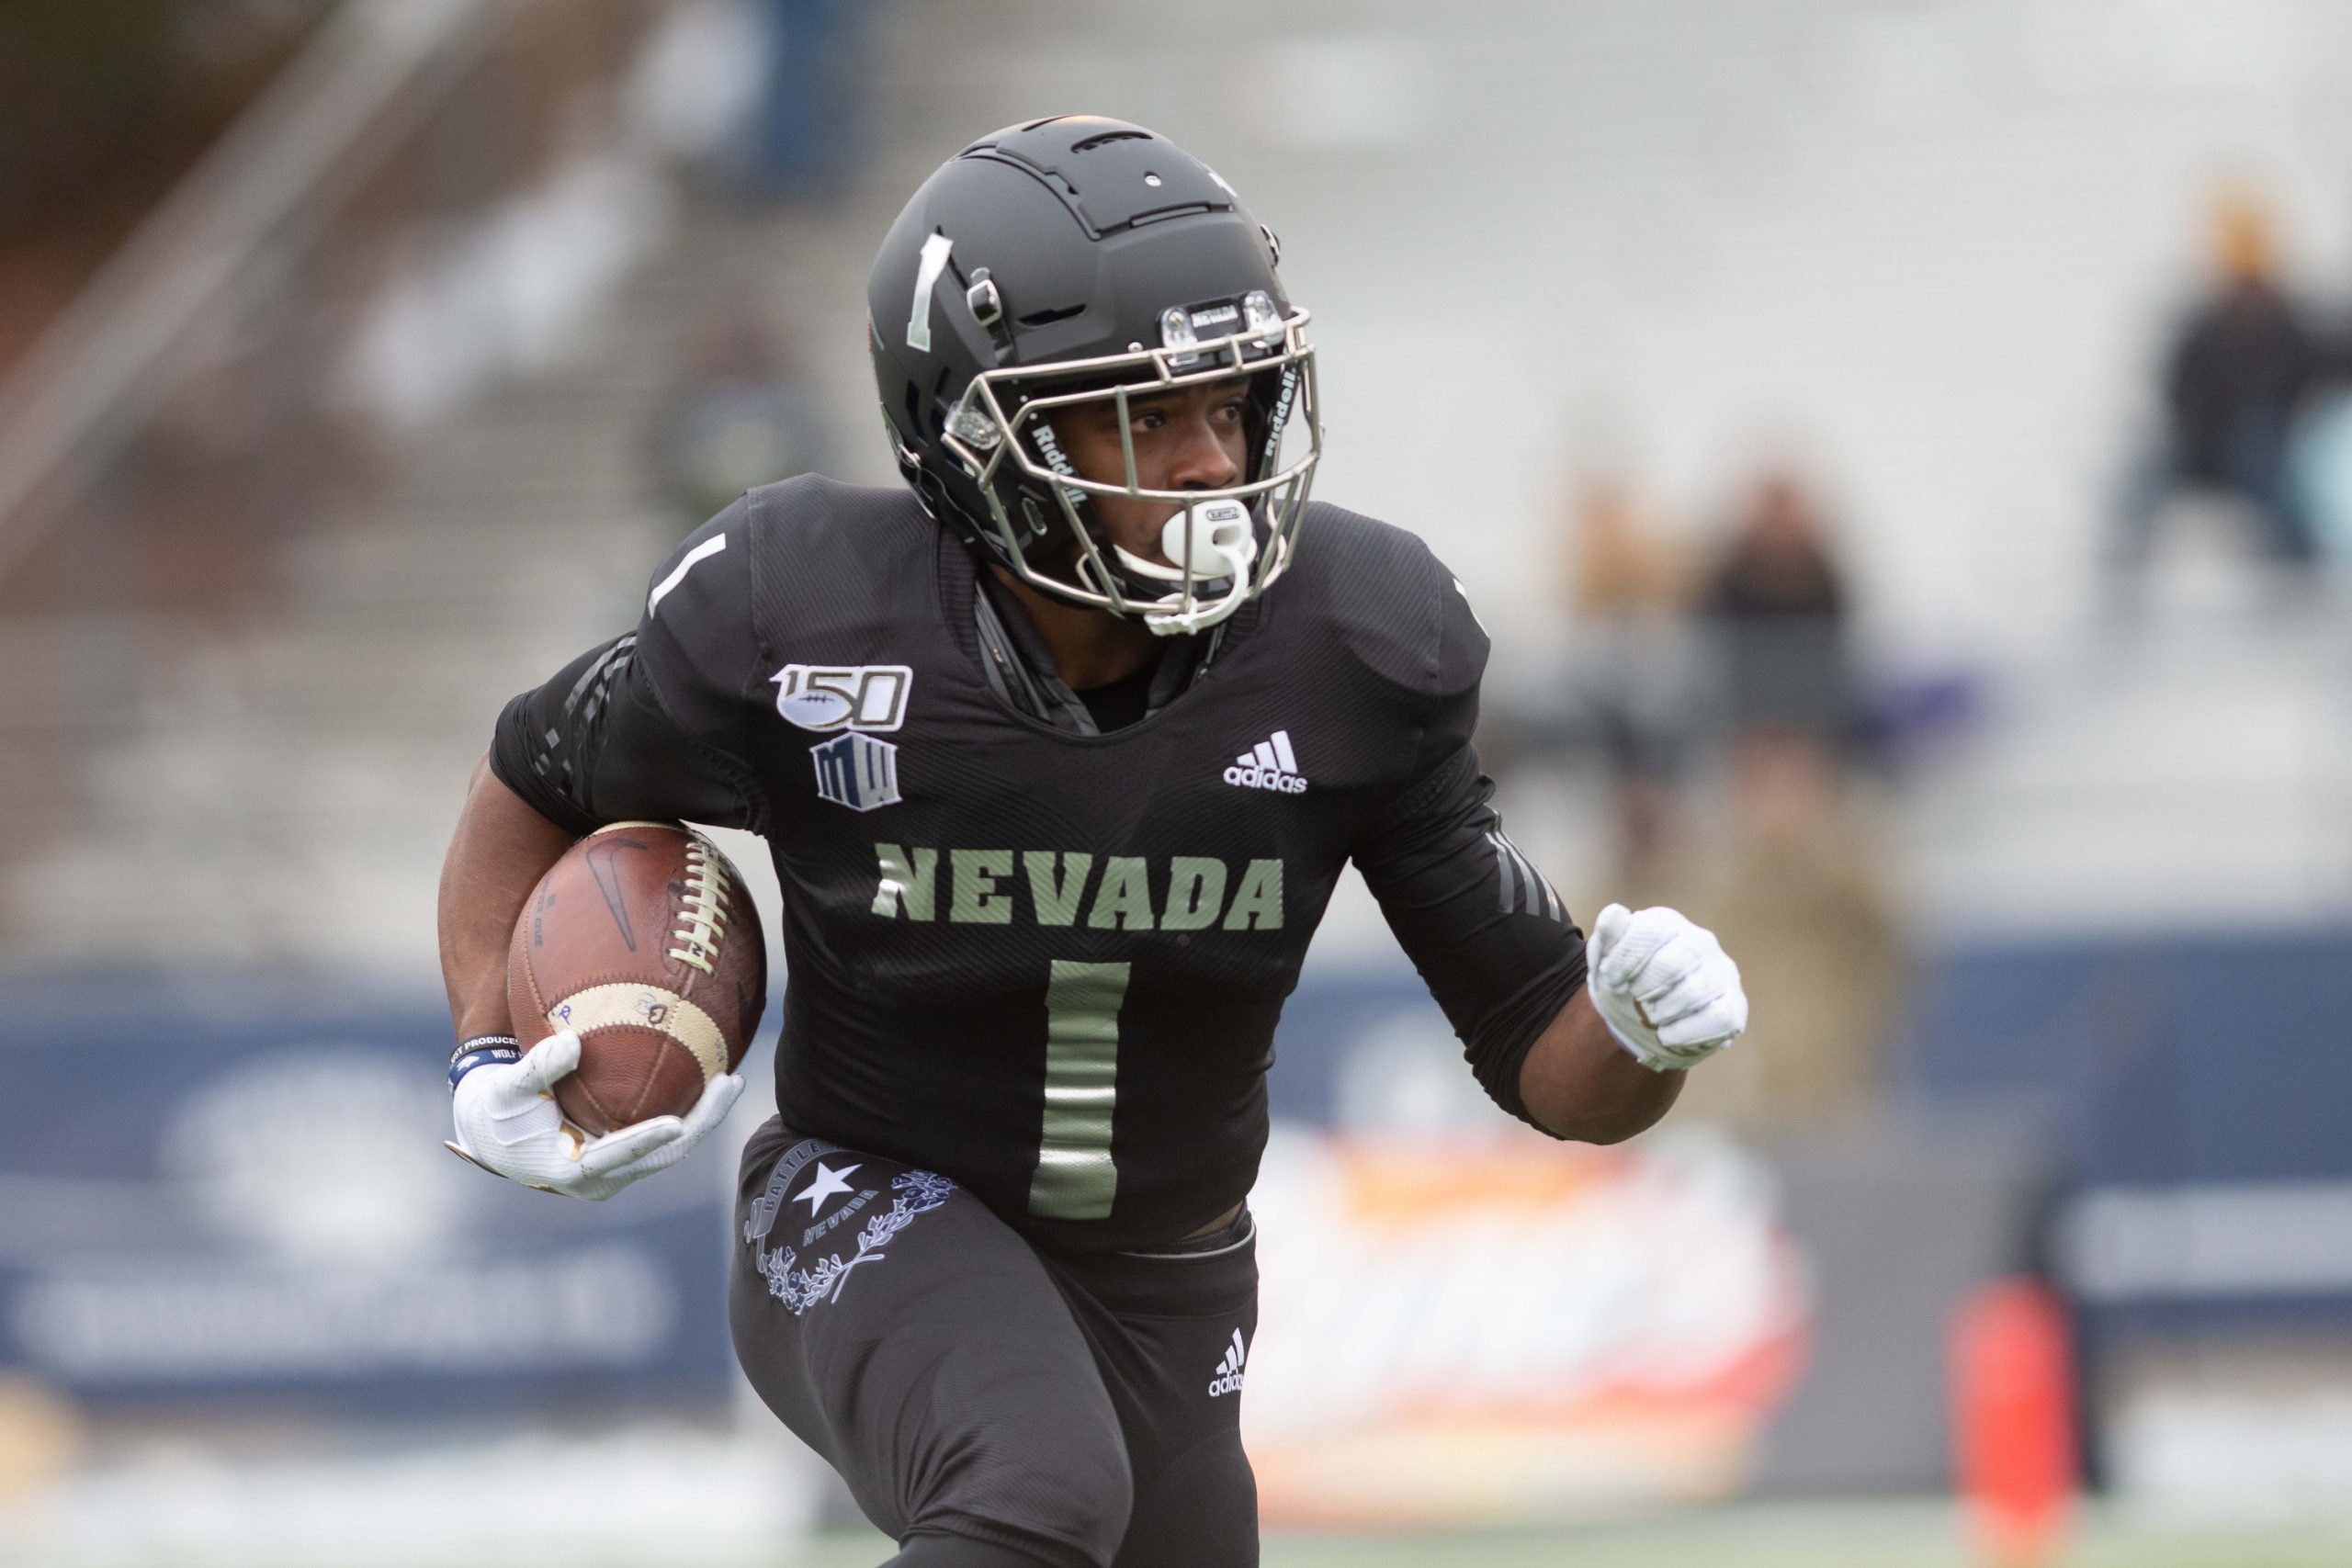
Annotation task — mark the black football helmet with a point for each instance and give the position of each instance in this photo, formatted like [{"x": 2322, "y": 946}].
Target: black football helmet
[{"x": 1077, "y": 259}]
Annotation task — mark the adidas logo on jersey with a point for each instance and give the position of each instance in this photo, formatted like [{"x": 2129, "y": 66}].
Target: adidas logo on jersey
[
  {"x": 1270, "y": 764},
  {"x": 1228, "y": 1371}
]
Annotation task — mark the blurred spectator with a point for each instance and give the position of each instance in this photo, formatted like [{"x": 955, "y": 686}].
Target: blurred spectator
[
  {"x": 211, "y": 492},
  {"x": 806, "y": 131},
  {"x": 1799, "y": 887},
  {"x": 2235, "y": 379},
  {"x": 765, "y": 98},
  {"x": 742, "y": 416},
  {"x": 1802, "y": 895},
  {"x": 1631, "y": 659},
  {"x": 1777, "y": 605}
]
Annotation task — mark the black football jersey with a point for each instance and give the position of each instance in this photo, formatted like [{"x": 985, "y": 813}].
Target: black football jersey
[{"x": 1048, "y": 963}]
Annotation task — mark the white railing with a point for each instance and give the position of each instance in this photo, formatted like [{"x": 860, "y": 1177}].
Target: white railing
[{"x": 109, "y": 357}]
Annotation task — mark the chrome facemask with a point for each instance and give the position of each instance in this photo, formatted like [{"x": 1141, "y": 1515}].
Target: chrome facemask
[{"x": 1224, "y": 546}]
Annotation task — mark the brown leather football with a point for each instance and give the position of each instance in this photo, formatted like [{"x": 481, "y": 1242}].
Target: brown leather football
[{"x": 644, "y": 939}]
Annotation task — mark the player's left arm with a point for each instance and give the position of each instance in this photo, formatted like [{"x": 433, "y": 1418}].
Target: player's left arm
[
  {"x": 1577, "y": 1084},
  {"x": 1584, "y": 1040},
  {"x": 1660, "y": 995}
]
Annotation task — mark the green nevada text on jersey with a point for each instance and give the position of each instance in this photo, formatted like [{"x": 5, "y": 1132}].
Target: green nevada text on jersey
[{"x": 1043, "y": 963}]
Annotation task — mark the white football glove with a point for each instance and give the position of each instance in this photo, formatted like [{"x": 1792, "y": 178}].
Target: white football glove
[
  {"x": 1666, "y": 987},
  {"x": 509, "y": 1124}
]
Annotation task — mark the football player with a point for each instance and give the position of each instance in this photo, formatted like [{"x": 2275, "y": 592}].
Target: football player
[{"x": 1059, "y": 753}]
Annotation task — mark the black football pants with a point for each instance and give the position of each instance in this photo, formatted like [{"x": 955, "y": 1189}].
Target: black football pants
[{"x": 991, "y": 1405}]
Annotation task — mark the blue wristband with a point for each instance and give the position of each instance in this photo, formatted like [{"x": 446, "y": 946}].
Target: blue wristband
[
  {"x": 481, "y": 1052},
  {"x": 476, "y": 1042}
]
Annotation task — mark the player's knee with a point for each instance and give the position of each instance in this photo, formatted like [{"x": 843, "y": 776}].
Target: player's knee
[
  {"x": 1105, "y": 1498},
  {"x": 1199, "y": 1511},
  {"x": 1063, "y": 1484},
  {"x": 1083, "y": 1497},
  {"x": 962, "y": 1552}
]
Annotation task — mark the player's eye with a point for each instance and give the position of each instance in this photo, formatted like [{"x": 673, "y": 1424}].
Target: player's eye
[{"x": 1151, "y": 419}]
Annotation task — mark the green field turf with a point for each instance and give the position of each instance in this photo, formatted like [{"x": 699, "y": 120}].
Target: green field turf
[{"x": 1807, "y": 1536}]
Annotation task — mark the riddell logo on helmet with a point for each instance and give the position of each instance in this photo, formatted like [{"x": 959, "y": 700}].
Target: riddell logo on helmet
[
  {"x": 1281, "y": 415},
  {"x": 1051, "y": 447},
  {"x": 1270, "y": 764},
  {"x": 1054, "y": 458}
]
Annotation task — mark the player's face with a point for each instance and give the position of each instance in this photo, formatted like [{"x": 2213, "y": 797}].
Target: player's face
[{"x": 1190, "y": 438}]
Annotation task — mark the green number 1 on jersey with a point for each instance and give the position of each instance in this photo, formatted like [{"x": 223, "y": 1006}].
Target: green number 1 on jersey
[{"x": 1076, "y": 1180}]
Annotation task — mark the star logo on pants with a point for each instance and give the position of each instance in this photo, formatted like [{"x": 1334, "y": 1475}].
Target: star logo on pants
[{"x": 828, "y": 1181}]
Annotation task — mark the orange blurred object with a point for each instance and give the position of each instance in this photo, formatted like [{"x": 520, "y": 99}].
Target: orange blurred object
[{"x": 2013, "y": 1420}]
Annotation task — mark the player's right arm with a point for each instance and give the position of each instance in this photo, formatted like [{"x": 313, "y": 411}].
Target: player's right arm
[
  {"x": 646, "y": 726},
  {"x": 501, "y": 849},
  {"x": 502, "y": 1107}
]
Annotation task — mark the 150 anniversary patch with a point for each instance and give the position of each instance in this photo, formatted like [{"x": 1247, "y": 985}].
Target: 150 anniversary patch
[{"x": 828, "y": 697}]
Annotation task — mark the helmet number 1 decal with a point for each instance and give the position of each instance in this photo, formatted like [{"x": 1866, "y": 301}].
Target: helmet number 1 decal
[{"x": 934, "y": 262}]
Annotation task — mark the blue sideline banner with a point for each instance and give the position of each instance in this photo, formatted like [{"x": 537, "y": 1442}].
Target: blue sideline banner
[{"x": 207, "y": 1199}]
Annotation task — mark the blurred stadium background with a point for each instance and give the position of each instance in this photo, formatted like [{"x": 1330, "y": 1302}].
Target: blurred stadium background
[{"x": 1903, "y": 450}]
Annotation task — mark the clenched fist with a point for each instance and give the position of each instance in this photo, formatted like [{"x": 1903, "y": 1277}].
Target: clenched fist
[{"x": 1666, "y": 987}]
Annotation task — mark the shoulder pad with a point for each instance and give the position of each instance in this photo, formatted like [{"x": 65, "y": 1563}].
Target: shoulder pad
[
  {"x": 832, "y": 557},
  {"x": 1383, "y": 595}
]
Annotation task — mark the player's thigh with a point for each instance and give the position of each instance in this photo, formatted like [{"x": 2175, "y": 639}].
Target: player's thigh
[
  {"x": 914, "y": 1339},
  {"x": 1172, "y": 1335}
]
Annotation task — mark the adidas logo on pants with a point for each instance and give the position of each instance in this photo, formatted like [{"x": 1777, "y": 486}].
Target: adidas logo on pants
[{"x": 1228, "y": 1371}]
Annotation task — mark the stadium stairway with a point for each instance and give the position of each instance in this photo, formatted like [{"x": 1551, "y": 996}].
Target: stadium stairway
[
  {"x": 2187, "y": 772},
  {"x": 279, "y": 794}
]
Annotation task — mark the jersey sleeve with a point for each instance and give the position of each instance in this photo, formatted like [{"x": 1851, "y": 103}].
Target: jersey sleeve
[
  {"x": 1484, "y": 927},
  {"x": 655, "y": 723}
]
